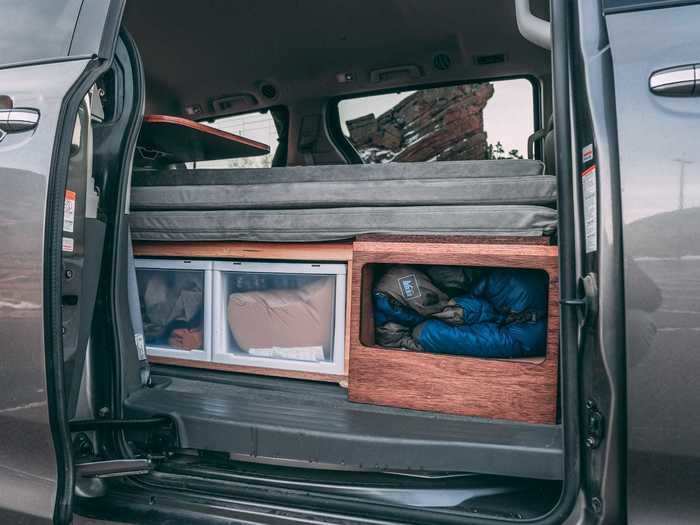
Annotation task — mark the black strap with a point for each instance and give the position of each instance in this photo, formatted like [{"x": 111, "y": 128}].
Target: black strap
[{"x": 527, "y": 316}]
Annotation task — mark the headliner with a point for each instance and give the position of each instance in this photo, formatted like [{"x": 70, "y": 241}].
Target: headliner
[{"x": 197, "y": 51}]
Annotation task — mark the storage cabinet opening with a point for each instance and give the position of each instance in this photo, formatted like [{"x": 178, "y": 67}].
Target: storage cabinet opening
[
  {"x": 484, "y": 312},
  {"x": 473, "y": 322}
]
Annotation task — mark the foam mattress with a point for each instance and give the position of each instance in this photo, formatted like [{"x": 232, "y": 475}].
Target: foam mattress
[
  {"x": 328, "y": 224},
  {"x": 324, "y": 203},
  {"x": 449, "y": 183}
]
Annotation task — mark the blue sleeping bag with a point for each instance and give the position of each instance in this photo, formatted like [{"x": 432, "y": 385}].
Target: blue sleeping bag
[
  {"x": 505, "y": 316},
  {"x": 387, "y": 310}
]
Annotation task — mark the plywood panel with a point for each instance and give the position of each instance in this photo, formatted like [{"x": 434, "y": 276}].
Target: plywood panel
[
  {"x": 317, "y": 252},
  {"x": 517, "y": 390}
]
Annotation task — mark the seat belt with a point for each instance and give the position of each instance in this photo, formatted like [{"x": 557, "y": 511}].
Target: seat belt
[
  {"x": 308, "y": 135},
  {"x": 135, "y": 315},
  {"x": 538, "y": 135}
]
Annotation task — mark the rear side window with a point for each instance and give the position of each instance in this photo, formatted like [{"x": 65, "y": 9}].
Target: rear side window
[
  {"x": 255, "y": 126},
  {"x": 36, "y": 29},
  {"x": 487, "y": 120}
]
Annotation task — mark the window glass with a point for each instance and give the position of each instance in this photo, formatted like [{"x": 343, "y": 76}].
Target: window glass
[
  {"x": 255, "y": 126},
  {"x": 465, "y": 122},
  {"x": 36, "y": 29}
]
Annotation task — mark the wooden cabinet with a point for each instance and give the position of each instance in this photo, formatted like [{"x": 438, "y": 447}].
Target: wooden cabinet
[{"x": 511, "y": 389}]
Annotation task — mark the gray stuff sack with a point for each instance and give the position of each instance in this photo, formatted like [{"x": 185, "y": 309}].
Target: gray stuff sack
[
  {"x": 411, "y": 287},
  {"x": 395, "y": 335},
  {"x": 453, "y": 280}
]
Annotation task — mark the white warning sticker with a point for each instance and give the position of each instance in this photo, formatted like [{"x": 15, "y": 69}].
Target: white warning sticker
[
  {"x": 590, "y": 208},
  {"x": 587, "y": 153},
  {"x": 69, "y": 212},
  {"x": 67, "y": 244}
]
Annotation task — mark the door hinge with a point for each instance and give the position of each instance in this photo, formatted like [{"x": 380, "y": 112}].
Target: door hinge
[
  {"x": 594, "y": 425},
  {"x": 158, "y": 435}
]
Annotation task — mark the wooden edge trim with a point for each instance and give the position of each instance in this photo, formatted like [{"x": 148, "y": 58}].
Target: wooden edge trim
[
  {"x": 203, "y": 128},
  {"x": 243, "y": 250},
  {"x": 426, "y": 248}
]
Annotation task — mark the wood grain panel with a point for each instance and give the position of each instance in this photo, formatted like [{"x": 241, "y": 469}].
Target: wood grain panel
[
  {"x": 453, "y": 239},
  {"x": 511, "y": 389},
  {"x": 180, "y": 139},
  {"x": 317, "y": 252}
]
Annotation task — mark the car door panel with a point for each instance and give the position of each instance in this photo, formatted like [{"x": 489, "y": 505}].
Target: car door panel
[
  {"x": 660, "y": 179},
  {"x": 28, "y": 472},
  {"x": 49, "y": 49}
]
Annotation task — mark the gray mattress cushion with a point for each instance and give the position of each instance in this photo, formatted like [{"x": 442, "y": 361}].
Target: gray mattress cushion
[
  {"x": 391, "y": 171},
  {"x": 531, "y": 189},
  {"x": 438, "y": 183},
  {"x": 329, "y": 224}
]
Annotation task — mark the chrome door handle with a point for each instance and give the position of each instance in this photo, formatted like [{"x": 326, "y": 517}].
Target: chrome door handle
[
  {"x": 18, "y": 119},
  {"x": 678, "y": 81}
]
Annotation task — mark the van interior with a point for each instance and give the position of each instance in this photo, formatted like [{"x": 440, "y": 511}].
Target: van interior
[{"x": 308, "y": 196}]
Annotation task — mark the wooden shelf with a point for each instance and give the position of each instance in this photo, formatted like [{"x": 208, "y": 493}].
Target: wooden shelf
[
  {"x": 321, "y": 252},
  {"x": 166, "y": 139}
]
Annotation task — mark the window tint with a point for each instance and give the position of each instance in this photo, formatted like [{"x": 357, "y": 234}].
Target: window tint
[
  {"x": 36, "y": 29},
  {"x": 256, "y": 126},
  {"x": 465, "y": 122}
]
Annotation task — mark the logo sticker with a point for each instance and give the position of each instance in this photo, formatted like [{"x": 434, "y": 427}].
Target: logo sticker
[
  {"x": 587, "y": 153},
  {"x": 409, "y": 287}
]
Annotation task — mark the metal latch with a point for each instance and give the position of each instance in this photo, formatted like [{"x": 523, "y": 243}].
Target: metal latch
[
  {"x": 595, "y": 425},
  {"x": 587, "y": 300},
  {"x": 678, "y": 81},
  {"x": 18, "y": 119}
]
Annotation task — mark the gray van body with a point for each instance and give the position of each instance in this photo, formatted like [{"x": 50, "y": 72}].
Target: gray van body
[{"x": 45, "y": 48}]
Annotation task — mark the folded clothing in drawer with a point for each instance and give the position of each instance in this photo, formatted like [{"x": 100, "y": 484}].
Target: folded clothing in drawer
[
  {"x": 172, "y": 303},
  {"x": 174, "y": 296},
  {"x": 489, "y": 313},
  {"x": 284, "y": 316},
  {"x": 291, "y": 323}
]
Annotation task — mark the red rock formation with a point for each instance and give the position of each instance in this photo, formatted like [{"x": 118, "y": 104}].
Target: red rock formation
[{"x": 433, "y": 124}]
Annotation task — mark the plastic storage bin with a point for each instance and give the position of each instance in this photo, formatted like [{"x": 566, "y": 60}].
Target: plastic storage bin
[
  {"x": 175, "y": 299},
  {"x": 288, "y": 316}
]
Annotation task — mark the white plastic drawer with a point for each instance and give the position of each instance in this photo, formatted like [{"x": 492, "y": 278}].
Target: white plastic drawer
[
  {"x": 288, "y": 316},
  {"x": 175, "y": 299}
]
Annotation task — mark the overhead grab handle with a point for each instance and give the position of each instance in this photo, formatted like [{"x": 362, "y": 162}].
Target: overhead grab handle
[{"x": 532, "y": 28}]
